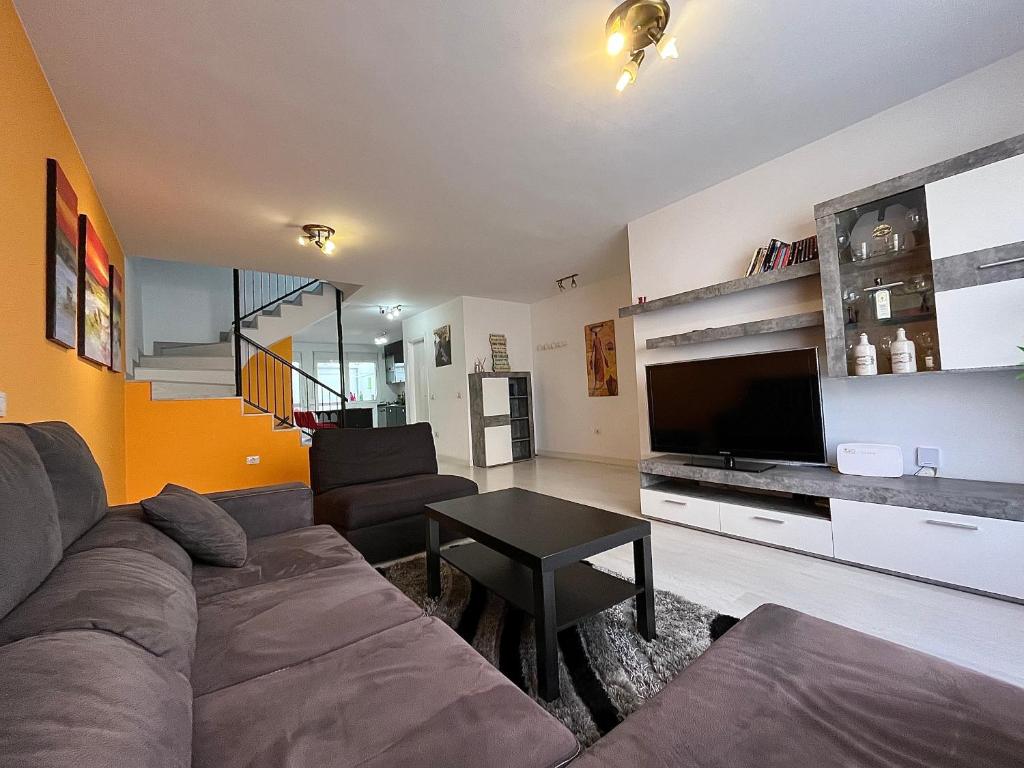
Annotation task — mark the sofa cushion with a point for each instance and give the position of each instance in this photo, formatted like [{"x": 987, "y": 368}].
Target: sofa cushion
[
  {"x": 120, "y": 591},
  {"x": 359, "y": 506},
  {"x": 85, "y": 698},
  {"x": 74, "y": 475},
  {"x": 783, "y": 689},
  {"x": 261, "y": 629},
  {"x": 30, "y": 539},
  {"x": 272, "y": 558},
  {"x": 414, "y": 695},
  {"x": 340, "y": 457},
  {"x": 203, "y": 529},
  {"x": 268, "y": 509},
  {"x": 125, "y": 527}
]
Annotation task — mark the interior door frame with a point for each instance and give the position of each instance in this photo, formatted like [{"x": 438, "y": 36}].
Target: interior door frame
[{"x": 416, "y": 358}]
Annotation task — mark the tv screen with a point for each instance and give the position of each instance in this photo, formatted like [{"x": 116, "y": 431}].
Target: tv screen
[{"x": 760, "y": 406}]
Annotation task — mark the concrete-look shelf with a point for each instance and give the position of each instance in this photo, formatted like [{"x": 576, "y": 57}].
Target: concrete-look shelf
[
  {"x": 753, "y": 328},
  {"x": 794, "y": 272},
  {"x": 1002, "y": 501}
]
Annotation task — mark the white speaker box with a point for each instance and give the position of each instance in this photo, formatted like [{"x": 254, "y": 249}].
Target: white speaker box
[{"x": 870, "y": 459}]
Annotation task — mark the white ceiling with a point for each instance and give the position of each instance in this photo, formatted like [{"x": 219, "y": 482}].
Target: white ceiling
[{"x": 460, "y": 146}]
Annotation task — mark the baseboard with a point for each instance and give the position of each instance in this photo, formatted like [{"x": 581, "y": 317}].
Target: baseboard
[{"x": 591, "y": 458}]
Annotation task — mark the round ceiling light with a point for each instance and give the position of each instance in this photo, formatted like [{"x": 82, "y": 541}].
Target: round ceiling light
[
  {"x": 633, "y": 26},
  {"x": 320, "y": 235}
]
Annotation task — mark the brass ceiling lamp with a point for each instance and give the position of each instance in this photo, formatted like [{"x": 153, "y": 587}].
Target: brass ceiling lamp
[
  {"x": 319, "y": 235},
  {"x": 632, "y": 27}
]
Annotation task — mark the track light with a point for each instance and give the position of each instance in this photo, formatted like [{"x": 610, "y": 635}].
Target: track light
[
  {"x": 560, "y": 282},
  {"x": 320, "y": 236},
  {"x": 382, "y": 339},
  {"x": 633, "y": 26},
  {"x": 391, "y": 312}
]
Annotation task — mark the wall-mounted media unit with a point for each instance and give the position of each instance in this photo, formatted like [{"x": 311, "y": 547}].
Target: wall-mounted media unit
[{"x": 765, "y": 407}]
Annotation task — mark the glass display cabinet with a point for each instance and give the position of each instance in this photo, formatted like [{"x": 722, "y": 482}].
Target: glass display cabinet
[{"x": 877, "y": 268}]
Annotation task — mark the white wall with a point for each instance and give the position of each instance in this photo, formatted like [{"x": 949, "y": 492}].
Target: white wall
[
  {"x": 569, "y": 422},
  {"x": 708, "y": 238},
  {"x": 176, "y": 301},
  {"x": 448, "y": 385},
  {"x": 482, "y": 317}
]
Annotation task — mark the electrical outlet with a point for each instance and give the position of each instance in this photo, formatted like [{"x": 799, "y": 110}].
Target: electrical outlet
[
  {"x": 252, "y": 459},
  {"x": 597, "y": 430},
  {"x": 436, "y": 435},
  {"x": 928, "y": 457},
  {"x": 3, "y": 405}
]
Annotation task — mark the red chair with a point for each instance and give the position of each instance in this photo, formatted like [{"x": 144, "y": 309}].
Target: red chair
[{"x": 307, "y": 420}]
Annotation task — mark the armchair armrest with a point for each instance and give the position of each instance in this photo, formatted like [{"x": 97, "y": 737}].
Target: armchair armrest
[{"x": 269, "y": 509}]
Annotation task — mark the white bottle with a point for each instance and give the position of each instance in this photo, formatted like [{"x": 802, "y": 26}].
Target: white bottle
[
  {"x": 865, "y": 361},
  {"x": 904, "y": 355}
]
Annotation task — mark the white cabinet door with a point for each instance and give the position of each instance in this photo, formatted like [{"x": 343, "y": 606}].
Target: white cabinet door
[
  {"x": 803, "y": 532},
  {"x": 977, "y": 209},
  {"x": 981, "y": 326},
  {"x": 977, "y": 552},
  {"x": 676, "y": 508},
  {"x": 498, "y": 444},
  {"x": 495, "y": 397}
]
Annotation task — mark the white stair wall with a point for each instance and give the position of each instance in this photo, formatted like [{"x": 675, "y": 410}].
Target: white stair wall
[{"x": 291, "y": 317}]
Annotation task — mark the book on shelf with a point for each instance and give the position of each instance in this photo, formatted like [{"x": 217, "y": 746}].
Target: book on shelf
[{"x": 778, "y": 255}]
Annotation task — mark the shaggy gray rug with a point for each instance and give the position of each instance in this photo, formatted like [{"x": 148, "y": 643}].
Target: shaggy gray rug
[{"x": 606, "y": 669}]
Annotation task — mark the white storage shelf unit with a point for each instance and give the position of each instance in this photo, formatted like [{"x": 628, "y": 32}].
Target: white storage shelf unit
[{"x": 976, "y": 553}]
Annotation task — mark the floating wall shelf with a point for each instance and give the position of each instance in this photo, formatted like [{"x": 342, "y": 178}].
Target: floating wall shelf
[
  {"x": 753, "y": 328},
  {"x": 794, "y": 272}
]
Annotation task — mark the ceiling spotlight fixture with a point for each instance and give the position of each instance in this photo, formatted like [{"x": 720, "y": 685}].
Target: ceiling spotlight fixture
[
  {"x": 391, "y": 312},
  {"x": 560, "y": 282},
  {"x": 632, "y": 27},
  {"x": 382, "y": 339},
  {"x": 320, "y": 236}
]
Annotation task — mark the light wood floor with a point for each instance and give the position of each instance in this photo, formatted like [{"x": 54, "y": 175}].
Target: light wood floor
[{"x": 735, "y": 577}]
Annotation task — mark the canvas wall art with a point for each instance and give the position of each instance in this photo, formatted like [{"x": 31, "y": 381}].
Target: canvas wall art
[
  {"x": 93, "y": 295},
  {"x": 602, "y": 370},
  {"x": 443, "y": 346},
  {"x": 61, "y": 257},
  {"x": 116, "y": 320},
  {"x": 499, "y": 352}
]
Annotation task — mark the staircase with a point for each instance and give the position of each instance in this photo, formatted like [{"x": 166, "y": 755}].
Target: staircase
[{"x": 184, "y": 371}]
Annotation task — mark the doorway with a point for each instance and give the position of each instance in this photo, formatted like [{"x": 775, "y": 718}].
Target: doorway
[{"x": 419, "y": 381}]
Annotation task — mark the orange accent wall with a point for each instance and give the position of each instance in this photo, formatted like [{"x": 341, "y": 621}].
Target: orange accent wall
[
  {"x": 202, "y": 444},
  {"x": 268, "y": 383},
  {"x": 42, "y": 379}
]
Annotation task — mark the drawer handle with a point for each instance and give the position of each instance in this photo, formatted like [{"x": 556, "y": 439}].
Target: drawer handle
[
  {"x": 676, "y": 501},
  {"x": 950, "y": 524},
  {"x": 1005, "y": 262},
  {"x": 769, "y": 519}
]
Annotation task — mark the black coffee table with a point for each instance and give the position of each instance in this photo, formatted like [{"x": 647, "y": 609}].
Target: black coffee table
[{"x": 528, "y": 549}]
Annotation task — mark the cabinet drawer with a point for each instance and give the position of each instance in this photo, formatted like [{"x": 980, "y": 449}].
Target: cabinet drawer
[
  {"x": 977, "y": 209},
  {"x": 976, "y": 552},
  {"x": 809, "y": 534},
  {"x": 981, "y": 326},
  {"x": 688, "y": 510}
]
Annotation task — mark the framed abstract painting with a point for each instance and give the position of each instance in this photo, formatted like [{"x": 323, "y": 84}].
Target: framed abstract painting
[
  {"x": 93, "y": 295},
  {"x": 116, "y": 320},
  {"x": 602, "y": 367},
  {"x": 61, "y": 257}
]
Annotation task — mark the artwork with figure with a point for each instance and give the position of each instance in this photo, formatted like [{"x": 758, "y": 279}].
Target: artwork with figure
[
  {"x": 602, "y": 372},
  {"x": 443, "y": 346}
]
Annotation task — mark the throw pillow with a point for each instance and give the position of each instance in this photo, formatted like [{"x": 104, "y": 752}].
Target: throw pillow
[{"x": 203, "y": 529}]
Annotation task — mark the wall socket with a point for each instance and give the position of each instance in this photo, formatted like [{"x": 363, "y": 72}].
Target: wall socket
[
  {"x": 928, "y": 457},
  {"x": 252, "y": 459},
  {"x": 3, "y": 405}
]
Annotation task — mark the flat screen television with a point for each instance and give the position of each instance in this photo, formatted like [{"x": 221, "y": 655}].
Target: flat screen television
[{"x": 764, "y": 406}]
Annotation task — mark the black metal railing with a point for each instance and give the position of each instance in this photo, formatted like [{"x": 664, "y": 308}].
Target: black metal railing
[
  {"x": 273, "y": 385},
  {"x": 265, "y": 380},
  {"x": 257, "y": 292}
]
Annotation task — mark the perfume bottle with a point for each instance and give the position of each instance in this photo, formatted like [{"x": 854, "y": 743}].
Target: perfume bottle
[
  {"x": 881, "y": 300},
  {"x": 903, "y": 354},
  {"x": 865, "y": 361}
]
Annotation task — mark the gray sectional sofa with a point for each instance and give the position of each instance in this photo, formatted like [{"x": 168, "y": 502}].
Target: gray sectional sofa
[{"x": 117, "y": 650}]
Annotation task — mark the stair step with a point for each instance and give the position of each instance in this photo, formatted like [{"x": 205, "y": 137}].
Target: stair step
[
  {"x": 180, "y": 362},
  {"x": 188, "y": 390},
  {"x": 193, "y": 349},
  {"x": 195, "y": 376}
]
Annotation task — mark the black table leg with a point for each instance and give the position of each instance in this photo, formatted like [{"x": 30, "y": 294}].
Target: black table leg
[
  {"x": 547, "y": 636},
  {"x": 644, "y": 571},
  {"x": 433, "y": 558}
]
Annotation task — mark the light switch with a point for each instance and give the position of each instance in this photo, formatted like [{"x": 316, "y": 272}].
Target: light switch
[{"x": 3, "y": 405}]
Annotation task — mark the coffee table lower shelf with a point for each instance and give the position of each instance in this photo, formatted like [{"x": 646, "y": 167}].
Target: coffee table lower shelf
[{"x": 581, "y": 590}]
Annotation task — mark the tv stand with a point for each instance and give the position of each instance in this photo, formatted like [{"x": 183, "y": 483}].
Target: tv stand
[{"x": 727, "y": 462}]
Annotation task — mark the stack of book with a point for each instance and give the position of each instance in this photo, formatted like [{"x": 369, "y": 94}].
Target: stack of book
[{"x": 778, "y": 254}]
